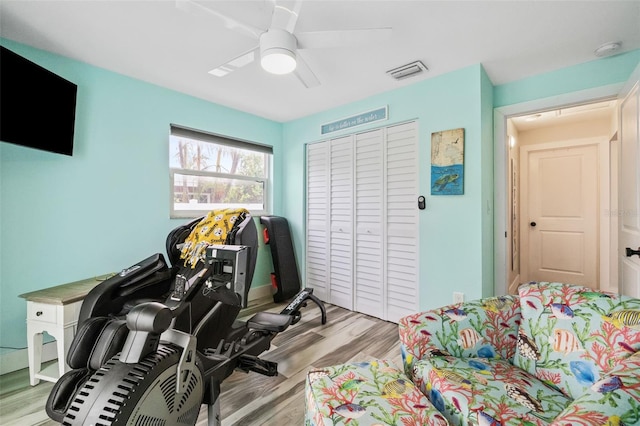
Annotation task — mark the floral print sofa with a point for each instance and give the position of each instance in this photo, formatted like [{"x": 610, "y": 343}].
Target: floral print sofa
[
  {"x": 369, "y": 393},
  {"x": 555, "y": 354}
]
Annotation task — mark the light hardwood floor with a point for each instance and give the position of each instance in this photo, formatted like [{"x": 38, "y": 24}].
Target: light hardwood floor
[{"x": 252, "y": 399}]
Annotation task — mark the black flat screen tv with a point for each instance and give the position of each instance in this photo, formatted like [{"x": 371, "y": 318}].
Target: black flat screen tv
[{"x": 37, "y": 107}]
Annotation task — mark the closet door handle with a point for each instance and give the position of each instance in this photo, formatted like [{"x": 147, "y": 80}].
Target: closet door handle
[
  {"x": 630, "y": 252},
  {"x": 533, "y": 224}
]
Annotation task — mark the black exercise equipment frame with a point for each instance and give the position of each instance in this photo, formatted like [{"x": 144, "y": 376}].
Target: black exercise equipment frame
[{"x": 154, "y": 352}]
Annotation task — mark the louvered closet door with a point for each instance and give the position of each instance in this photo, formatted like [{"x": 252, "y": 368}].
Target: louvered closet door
[
  {"x": 402, "y": 221},
  {"x": 362, "y": 221},
  {"x": 369, "y": 249},
  {"x": 318, "y": 174},
  {"x": 341, "y": 232}
]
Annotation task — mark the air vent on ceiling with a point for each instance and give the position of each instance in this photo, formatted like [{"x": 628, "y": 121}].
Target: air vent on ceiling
[{"x": 408, "y": 70}]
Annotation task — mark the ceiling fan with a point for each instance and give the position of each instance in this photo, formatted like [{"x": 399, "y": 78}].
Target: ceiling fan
[{"x": 278, "y": 46}]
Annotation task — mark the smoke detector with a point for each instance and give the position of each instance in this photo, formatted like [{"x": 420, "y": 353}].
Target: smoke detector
[
  {"x": 408, "y": 70},
  {"x": 608, "y": 49}
]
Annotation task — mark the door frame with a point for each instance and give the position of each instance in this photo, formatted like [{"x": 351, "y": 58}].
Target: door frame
[
  {"x": 604, "y": 184},
  {"x": 622, "y": 260},
  {"x": 501, "y": 167}
]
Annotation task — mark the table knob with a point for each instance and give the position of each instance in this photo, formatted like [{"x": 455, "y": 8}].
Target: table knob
[{"x": 38, "y": 313}]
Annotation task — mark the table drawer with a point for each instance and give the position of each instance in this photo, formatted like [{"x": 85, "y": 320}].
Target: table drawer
[{"x": 42, "y": 312}]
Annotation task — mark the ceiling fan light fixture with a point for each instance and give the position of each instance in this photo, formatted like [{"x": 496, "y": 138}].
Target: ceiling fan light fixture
[
  {"x": 277, "y": 51},
  {"x": 278, "y": 61}
]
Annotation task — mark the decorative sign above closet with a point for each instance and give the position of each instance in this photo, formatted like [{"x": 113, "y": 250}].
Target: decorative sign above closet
[{"x": 356, "y": 120}]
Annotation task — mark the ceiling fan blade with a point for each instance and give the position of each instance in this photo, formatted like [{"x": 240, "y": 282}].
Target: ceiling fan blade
[
  {"x": 343, "y": 38},
  {"x": 304, "y": 73},
  {"x": 196, "y": 8},
  {"x": 284, "y": 17},
  {"x": 238, "y": 62}
]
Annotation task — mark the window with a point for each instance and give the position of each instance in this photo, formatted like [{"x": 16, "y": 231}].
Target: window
[{"x": 210, "y": 172}]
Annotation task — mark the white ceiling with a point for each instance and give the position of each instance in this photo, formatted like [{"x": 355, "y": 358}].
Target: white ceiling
[{"x": 156, "y": 42}]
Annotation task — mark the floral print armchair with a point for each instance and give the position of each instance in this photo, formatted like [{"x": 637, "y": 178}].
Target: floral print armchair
[
  {"x": 555, "y": 354},
  {"x": 372, "y": 393}
]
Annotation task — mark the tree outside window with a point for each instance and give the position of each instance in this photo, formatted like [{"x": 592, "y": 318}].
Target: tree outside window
[{"x": 213, "y": 172}]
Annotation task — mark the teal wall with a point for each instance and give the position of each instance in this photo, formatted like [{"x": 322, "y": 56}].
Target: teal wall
[
  {"x": 68, "y": 218},
  {"x": 454, "y": 230},
  {"x": 601, "y": 72}
]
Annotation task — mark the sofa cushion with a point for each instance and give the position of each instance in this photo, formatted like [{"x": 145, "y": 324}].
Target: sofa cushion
[
  {"x": 480, "y": 328},
  {"x": 366, "y": 393},
  {"x": 572, "y": 336},
  {"x": 487, "y": 390},
  {"x": 613, "y": 400}
]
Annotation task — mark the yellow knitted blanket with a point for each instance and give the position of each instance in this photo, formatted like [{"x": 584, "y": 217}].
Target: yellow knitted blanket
[{"x": 212, "y": 229}]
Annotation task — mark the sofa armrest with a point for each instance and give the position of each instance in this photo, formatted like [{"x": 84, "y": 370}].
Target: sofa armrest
[
  {"x": 614, "y": 399},
  {"x": 484, "y": 328}
]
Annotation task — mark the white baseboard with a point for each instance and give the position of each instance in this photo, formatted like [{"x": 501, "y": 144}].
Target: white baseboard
[
  {"x": 18, "y": 359},
  {"x": 260, "y": 292}
]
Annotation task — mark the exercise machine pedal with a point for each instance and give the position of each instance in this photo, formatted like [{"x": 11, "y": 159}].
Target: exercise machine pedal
[
  {"x": 253, "y": 363},
  {"x": 223, "y": 350}
]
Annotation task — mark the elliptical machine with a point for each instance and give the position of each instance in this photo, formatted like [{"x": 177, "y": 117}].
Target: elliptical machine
[{"x": 157, "y": 366}]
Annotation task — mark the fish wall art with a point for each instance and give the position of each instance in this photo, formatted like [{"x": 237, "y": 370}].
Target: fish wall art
[{"x": 447, "y": 162}]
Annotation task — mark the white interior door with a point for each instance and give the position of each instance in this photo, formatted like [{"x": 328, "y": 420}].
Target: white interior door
[
  {"x": 559, "y": 218},
  {"x": 402, "y": 242},
  {"x": 317, "y": 258},
  {"x": 369, "y": 229},
  {"x": 341, "y": 214},
  {"x": 629, "y": 187},
  {"x": 362, "y": 221}
]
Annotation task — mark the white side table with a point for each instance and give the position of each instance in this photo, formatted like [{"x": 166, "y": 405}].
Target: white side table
[{"x": 54, "y": 310}]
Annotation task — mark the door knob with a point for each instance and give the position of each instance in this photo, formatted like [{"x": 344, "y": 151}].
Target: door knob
[
  {"x": 533, "y": 224},
  {"x": 630, "y": 252}
]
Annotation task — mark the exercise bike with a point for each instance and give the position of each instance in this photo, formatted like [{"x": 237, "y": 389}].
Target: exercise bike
[{"x": 161, "y": 361}]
